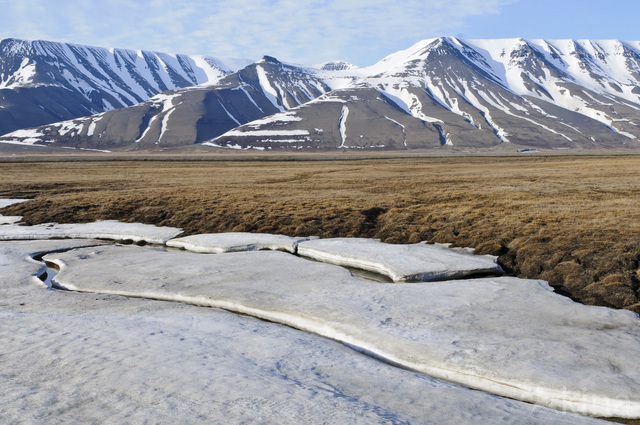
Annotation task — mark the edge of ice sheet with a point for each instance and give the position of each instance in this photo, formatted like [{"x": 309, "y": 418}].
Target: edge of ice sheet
[
  {"x": 10, "y": 219},
  {"x": 6, "y": 202},
  {"x": 415, "y": 262},
  {"x": 83, "y": 359},
  {"x": 17, "y": 259},
  {"x": 106, "y": 229},
  {"x": 459, "y": 331},
  {"x": 217, "y": 243}
]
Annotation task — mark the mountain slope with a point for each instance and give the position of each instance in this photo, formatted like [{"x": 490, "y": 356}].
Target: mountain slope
[
  {"x": 512, "y": 99},
  {"x": 43, "y": 81},
  {"x": 350, "y": 118},
  {"x": 186, "y": 116}
]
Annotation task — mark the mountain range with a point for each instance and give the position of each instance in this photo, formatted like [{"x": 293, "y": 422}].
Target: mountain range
[{"x": 443, "y": 93}]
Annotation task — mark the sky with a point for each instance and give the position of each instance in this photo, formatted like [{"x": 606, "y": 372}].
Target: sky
[{"x": 309, "y": 31}]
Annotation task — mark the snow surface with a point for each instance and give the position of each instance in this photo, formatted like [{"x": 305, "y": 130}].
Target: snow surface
[
  {"x": 6, "y": 202},
  {"x": 267, "y": 89},
  {"x": 281, "y": 117},
  {"x": 216, "y": 243},
  {"x": 93, "y": 358},
  {"x": 342, "y": 125},
  {"x": 263, "y": 133},
  {"x": 506, "y": 336},
  {"x": 4, "y": 219},
  {"x": 10, "y": 219},
  {"x": 107, "y": 229},
  {"x": 404, "y": 135},
  {"x": 416, "y": 262}
]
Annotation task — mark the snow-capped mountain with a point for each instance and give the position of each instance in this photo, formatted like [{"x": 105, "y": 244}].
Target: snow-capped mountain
[
  {"x": 478, "y": 94},
  {"x": 189, "y": 115},
  {"x": 43, "y": 82},
  {"x": 439, "y": 93}
]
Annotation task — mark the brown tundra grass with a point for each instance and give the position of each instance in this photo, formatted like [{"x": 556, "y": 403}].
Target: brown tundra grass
[{"x": 571, "y": 220}]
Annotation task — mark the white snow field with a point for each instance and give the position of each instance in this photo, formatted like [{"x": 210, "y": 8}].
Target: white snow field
[
  {"x": 107, "y": 229},
  {"x": 11, "y": 219},
  {"x": 70, "y": 357},
  {"x": 6, "y": 202},
  {"x": 416, "y": 262},
  {"x": 217, "y": 243},
  {"x": 506, "y": 336}
]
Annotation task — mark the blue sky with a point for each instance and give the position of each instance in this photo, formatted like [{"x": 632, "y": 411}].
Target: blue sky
[{"x": 309, "y": 31}]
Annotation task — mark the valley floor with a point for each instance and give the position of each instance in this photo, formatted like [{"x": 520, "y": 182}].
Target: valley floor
[{"x": 571, "y": 220}]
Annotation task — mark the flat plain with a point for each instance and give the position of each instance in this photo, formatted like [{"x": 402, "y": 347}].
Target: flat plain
[{"x": 571, "y": 220}]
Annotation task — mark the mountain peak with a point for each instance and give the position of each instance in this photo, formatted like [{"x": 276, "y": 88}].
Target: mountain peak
[
  {"x": 336, "y": 66},
  {"x": 270, "y": 59}
]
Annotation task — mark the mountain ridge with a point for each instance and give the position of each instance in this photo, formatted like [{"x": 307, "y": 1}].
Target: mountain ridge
[
  {"x": 439, "y": 93},
  {"x": 43, "y": 81}
]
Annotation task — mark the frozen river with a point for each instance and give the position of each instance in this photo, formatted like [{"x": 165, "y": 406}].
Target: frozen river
[{"x": 129, "y": 339}]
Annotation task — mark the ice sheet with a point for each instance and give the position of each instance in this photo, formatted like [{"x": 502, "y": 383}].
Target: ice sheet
[
  {"x": 87, "y": 358},
  {"x": 16, "y": 264},
  {"x": 216, "y": 243},
  {"x": 507, "y": 336},
  {"x": 7, "y": 202},
  {"x": 416, "y": 262},
  {"x": 10, "y": 219},
  {"x": 107, "y": 229}
]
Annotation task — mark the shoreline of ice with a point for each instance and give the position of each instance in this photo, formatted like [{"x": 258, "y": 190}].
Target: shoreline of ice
[
  {"x": 401, "y": 263},
  {"x": 102, "y": 229},
  {"x": 459, "y": 331},
  {"x": 218, "y": 243},
  {"x": 75, "y": 357},
  {"x": 10, "y": 219}
]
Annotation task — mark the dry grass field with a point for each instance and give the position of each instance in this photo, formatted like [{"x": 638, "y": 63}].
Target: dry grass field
[{"x": 571, "y": 220}]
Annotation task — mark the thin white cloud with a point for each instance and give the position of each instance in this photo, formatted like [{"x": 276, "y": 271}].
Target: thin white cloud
[{"x": 311, "y": 31}]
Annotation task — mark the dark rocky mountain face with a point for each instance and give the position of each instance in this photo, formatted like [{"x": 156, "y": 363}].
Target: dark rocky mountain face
[
  {"x": 43, "y": 82},
  {"x": 443, "y": 93}
]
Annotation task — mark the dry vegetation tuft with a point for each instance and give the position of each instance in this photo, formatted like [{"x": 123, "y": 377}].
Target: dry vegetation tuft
[{"x": 573, "y": 221}]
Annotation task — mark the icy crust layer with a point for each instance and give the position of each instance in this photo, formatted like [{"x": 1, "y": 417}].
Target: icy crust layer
[
  {"x": 10, "y": 219},
  {"x": 7, "y": 202},
  {"x": 18, "y": 266},
  {"x": 80, "y": 358},
  {"x": 108, "y": 229},
  {"x": 4, "y": 219},
  {"x": 506, "y": 336},
  {"x": 417, "y": 262},
  {"x": 216, "y": 243}
]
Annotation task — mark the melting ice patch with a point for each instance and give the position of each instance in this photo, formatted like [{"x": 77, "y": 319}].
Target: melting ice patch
[
  {"x": 10, "y": 219},
  {"x": 107, "y": 359},
  {"x": 342, "y": 125},
  {"x": 216, "y": 243},
  {"x": 107, "y": 229},
  {"x": 7, "y": 202},
  {"x": 282, "y": 117},
  {"x": 263, "y": 133},
  {"x": 417, "y": 262},
  {"x": 267, "y": 89},
  {"x": 24, "y": 136},
  {"x": 507, "y": 336}
]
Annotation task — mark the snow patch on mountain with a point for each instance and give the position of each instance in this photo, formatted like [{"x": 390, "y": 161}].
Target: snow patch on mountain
[{"x": 267, "y": 88}]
